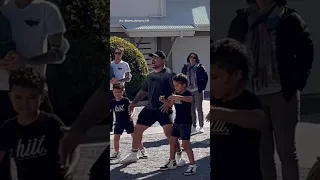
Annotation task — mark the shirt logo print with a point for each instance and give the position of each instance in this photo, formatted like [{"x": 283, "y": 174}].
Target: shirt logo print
[
  {"x": 219, "y": 127},
  {"x": 32, "y": 23}
]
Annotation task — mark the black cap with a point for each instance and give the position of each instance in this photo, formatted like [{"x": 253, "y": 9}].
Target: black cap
[{"x": 158, "y": 54}]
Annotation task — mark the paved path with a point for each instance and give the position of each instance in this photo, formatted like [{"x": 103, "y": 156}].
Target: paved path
[{"x": 158, "y": 151}]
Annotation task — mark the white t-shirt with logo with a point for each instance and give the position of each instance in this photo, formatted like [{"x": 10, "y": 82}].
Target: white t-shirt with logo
[
  {"x": 31, "y": 27},
  {"x": 120, "y": 70}
]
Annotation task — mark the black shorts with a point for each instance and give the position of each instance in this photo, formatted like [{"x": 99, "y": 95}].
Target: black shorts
[
  {"x": 148, "y": 117},
  {"x": 182, "y": 131},
  {"x": 119, "y": 127}
]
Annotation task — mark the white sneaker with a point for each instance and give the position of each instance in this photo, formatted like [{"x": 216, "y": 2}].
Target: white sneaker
[
  {"x": 193, "y": 130},
  {"x": 130, "y": 158},
  {"x": 180, "y": 161},
  {"x": 115, "y": 155},
  {"x": 201, "y": 130},
  {"x": 144, "y": 153},
  {"x": 171, "y": 164},
  {"x": 191, "y": 170}
]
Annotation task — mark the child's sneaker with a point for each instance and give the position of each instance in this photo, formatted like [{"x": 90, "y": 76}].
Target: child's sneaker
[
  {"x": 144, "y": 154},
  {"x": 191, "y": 170},
  {"x": 171, "y": 164},
  {"x": 180, "y": 161},
  {"x": 115, "y": 155}
]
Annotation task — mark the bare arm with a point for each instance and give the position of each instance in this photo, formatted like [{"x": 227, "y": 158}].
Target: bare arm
[
  {"x": 127, "y": 78},
  {"x": 95, "y": 110},
  {"x": 184, "y": 98},
  {"x": 253, "y": 119},
  {"x": 74, "y": 158},
  {"x": 56, "y": 54},
  {"x": 140, "y": 96},
  {"x": 166, "y": 102}
]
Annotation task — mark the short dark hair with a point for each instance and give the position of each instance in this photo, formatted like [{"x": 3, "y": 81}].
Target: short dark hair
[
  {"x": 230, "y": 55},
  {"x": 26, "y": 77},
  {"x": 279, "y": 2},
  {"x": 181, "y": 78},
  {"x": 118, "y": 86}
]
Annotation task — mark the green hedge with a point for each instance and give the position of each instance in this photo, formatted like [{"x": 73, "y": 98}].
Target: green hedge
[{"x": 136, "y": 61}]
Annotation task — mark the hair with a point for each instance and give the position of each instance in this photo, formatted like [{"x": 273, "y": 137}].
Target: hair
[
  {"x": 28, "y": 78},
  {"x": 118, "y": 86},
  {"x": 279, "y": 2},
  {"x": 119, "y": 48},
  {"x": 180, "y": 78},
  {"x": 231, "y": 56},
  {"x": 197, "y": 58}
]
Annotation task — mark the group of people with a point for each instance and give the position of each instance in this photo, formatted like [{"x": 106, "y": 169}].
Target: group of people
[
  {"x": 257, "y": 74},
  {"x": 163, "y": 88}
]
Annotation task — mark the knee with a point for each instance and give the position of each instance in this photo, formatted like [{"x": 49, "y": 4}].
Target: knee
[{"x": 186, "y": 144}]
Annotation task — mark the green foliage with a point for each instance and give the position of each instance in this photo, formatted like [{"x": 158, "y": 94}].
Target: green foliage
[
  {"x": 72, "y": 82},
  {"x": 137, "y": 63}
]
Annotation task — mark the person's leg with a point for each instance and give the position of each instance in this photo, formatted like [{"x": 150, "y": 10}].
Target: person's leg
[
  {"x": 185, "y": 135},
  {"x": 6, "y": 113},
  {"x": 116, "y": 142},
  {"x": 268, "y": 166},
  {"x": 130, "y": 130},
  {"x": 144, "y": 121},
  {"x": 284, "y": 123},
  {"x": 193, "y": 111},
  {"x": 198, "y": 98}
]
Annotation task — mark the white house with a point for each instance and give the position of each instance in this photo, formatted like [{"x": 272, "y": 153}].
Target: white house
[
  {"x": 224, "y": 10},
  {"x": 177, "y": 27}
]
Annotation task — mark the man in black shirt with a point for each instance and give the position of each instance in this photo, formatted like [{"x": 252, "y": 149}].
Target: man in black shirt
[
  {"x": 236, "y": 115},
  {"x": 158, "y": 83}
]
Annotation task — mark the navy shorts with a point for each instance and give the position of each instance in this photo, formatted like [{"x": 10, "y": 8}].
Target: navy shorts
[
  {"x": 148, "y": 117},
  {"x": 119, "y": 127},
  {"x": 182, "y": 131}
]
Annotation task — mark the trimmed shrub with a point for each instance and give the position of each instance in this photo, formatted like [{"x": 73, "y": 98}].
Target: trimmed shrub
[{"x": 137, "y": 63}]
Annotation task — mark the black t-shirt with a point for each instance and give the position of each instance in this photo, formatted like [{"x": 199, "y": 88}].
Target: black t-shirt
[
  {"x": 121, "y": 109},
  {"x": 158, "y": 84},
  {"x": 35, "y": 147},
  {"x": 183, "y": 110},
  {"x": 235, "y": 151}
]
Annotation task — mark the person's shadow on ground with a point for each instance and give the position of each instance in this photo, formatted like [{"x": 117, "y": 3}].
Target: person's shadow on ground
[{"x": 203, "y": 173}]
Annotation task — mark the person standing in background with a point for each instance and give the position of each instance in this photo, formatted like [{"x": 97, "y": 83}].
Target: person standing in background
[
  {"x": 197, "y": 83},
  {"x": 283, "y": 54},
  {"x": 122, "y": 74}
]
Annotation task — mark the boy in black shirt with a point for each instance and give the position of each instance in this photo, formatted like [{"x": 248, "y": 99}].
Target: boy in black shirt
[
  {"x": 182, "y": 99},
  {"x": 236, "y": 115},
  {"x": 124, "y": 120},
  {"x": 33, "y": 136}
]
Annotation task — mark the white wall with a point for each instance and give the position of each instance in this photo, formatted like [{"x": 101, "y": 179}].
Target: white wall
[
  {"x": 223, "y": 11},
  {"x": 184, "y": 46},
  {"x": 135, "y": 8}
]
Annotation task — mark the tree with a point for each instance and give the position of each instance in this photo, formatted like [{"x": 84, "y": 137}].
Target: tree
[{"x": 73, "y": 82}]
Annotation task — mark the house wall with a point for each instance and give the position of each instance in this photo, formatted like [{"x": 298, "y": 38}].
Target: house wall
[{"x": 222, "y": 12}]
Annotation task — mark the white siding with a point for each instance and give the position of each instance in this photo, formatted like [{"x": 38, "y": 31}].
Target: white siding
[
  {"x": 136, "y": 8},
  {"x": 184, "y": 46},
  {"x": 147, "y": 45}
]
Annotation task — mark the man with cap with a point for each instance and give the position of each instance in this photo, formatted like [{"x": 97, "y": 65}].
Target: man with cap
[{"x": 158, "y": 83}]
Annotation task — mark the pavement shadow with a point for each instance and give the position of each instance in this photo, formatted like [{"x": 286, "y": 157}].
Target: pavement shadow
[
  {"x": 164, "y": 142},
  {"x": 203, "y": 173}
]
